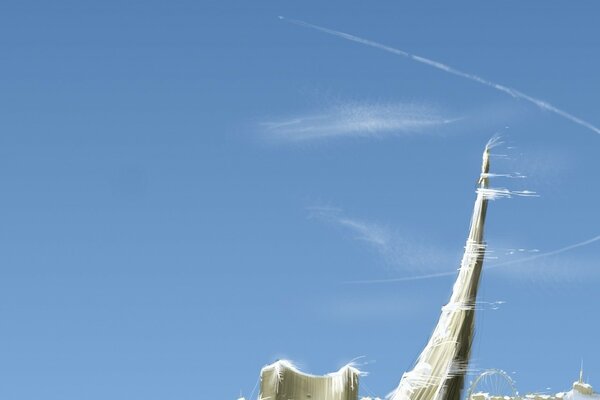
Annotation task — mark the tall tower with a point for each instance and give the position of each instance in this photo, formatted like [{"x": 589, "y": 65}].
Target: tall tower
[{"x": 439, "y": 372}]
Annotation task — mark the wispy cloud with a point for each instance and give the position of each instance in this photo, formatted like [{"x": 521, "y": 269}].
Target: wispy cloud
[
  {"x": 448, "y": 69},
  {"x": 419, "y": 260},
  {"x": 396, "y": 250},
  {"x": 537, "y": 255},
  {"x": 544, "y": 266},
  {"x": 356, "y": 120}
]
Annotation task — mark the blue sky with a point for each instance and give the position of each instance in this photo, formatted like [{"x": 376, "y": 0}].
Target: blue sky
[{"x": 186, "y": 186}]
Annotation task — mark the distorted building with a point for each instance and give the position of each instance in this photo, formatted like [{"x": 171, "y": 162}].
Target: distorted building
[{"x": 440, "y": 370}]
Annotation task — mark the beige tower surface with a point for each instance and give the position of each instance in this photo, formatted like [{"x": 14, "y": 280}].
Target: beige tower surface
[
  {"x": 282, "y": 381},
  {"x": 440, "y": 369},
  {"x": 439, "y": 372}
]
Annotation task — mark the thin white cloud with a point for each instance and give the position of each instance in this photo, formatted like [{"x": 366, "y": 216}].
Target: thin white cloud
[
  {"x": 426, "y": 261},
  {"x": 446, "y": 68},
  {"x": 356, "y": 120},
  {"x": 547, "y": 254},
  {"x": 551, "y": 268},
  {"x": 398, "y": 251}
]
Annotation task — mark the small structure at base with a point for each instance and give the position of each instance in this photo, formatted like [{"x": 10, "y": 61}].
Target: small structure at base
[
  {"x": 282, "y": 381},
  {"x": 580, "y": 391},
  {"x": 580, "y": 386}
]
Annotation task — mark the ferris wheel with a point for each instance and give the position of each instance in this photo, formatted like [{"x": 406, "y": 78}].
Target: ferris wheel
[{"x": 492, "y": 383}]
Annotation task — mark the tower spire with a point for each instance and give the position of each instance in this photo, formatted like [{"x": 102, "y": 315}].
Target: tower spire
[{"x": 439, "y": 372}]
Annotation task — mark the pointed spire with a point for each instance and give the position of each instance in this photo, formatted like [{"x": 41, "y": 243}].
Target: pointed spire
[
  {"x": 440, "y": 370},
  {"x": 580, "y": 386}
]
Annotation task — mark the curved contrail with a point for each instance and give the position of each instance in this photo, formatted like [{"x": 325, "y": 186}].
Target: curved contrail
[
  {"x": 435, "y": 64},
  {"x": 505, "y": 89},
  {"x": 452, "y": 273}
]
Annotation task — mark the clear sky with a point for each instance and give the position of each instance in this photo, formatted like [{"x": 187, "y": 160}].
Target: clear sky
[{"x": 187, "y": 185}]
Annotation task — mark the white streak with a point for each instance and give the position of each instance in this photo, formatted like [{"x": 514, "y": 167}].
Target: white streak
[
  {"x": 443, "y": 67},
  {"x": 547, "y": 254},
  {"x": 499, "y": 193},
  {"x": 452, "y": 273},
  {"x": 356, "y": 120},
  {"x": 516, "y": 175},
  {"x": 478, "y": 305}
]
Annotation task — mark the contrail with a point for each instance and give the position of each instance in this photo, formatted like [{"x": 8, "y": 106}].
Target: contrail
[
  {"x": 550, "y": 253},
  {"x": 452, "y": 273},
  {"x": 507, "y": 90}
]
